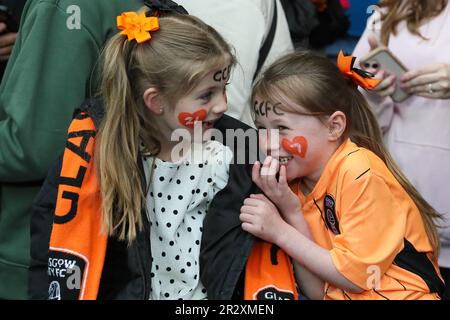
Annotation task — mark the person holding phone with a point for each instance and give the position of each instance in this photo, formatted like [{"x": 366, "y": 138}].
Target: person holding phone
[
  {"x": 416, "y": 129},
  {"x": 10, "y": 12}
]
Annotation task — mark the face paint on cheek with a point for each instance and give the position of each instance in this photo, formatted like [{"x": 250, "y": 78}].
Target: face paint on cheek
[
  {"x": 188, "y": 120},
  {"x": 297, "y": 147}
]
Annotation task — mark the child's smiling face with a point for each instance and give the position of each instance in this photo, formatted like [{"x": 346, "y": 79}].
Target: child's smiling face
[
  {"x": 300, "y": 142},
  {"x": 204, "y": 104}
]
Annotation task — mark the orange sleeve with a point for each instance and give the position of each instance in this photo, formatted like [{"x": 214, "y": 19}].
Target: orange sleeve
[{"x": 372, "y": 230}]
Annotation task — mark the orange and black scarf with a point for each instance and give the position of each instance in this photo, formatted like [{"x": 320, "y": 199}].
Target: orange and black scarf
[
  {"x": 77, "y": 245},
  {"x": 269, "y": 274}
]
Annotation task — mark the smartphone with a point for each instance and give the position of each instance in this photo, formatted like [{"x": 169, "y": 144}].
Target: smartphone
[
  {"x": 383, "y": 59},
  {"x": 7, "y": 18}
]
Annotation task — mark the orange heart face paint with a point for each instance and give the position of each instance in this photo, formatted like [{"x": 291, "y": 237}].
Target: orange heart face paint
[
  {"x": 188, "y": 120},
  {"x": 298, "y": 147}
]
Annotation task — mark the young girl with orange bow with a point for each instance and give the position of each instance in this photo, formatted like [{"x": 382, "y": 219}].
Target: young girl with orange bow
[
  {"x": 341, "y": 208},
  {"x": 127, "y": 214}
]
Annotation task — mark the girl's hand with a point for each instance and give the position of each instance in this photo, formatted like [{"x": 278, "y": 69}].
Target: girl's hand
[
  {"x": 261, "y": 218},
  {"x": 279, "y": 191},
  {"x": 432, "y": 81}
]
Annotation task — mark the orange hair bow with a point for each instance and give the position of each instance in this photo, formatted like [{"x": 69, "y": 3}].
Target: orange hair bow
[
  {"x": 362, "y": 78},
  {"x": 137, "y": 27}
]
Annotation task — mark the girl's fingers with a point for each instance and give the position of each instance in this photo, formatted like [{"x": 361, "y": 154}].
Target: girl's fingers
[
  {"x": 247, "y": 209},
  {"x": 283, "y": 178},
  {"x": 252, "y": 201},
  {"x": 248, "y": 227},
  {"x": 246, "y": 218},
  {"x": 255, "y": 202},
  {"x": 268, "y": 174},
  {"x": 265, "y": 167},
  {"x": 271, "y": 177},
  {"x": 257, "y": 196},
  {"x": 264, "y": 174},
  {"x": 256, "y": 176},
  {"x": 273, "y": 167}
]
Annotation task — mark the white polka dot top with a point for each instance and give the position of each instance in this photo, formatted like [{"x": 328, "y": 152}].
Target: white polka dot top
[{"x": 177, "y": 202}]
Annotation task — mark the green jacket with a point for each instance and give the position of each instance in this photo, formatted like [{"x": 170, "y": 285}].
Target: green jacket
[{"x": 50, "y": 73}]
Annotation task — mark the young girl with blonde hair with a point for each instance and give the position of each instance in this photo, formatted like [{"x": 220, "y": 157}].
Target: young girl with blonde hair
[{"x": 127, "y": 222}]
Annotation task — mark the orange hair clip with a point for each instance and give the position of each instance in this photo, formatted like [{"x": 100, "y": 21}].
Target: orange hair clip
[
  {"x": 360, "y": 77},
  {"x": 137, "y": 27}
]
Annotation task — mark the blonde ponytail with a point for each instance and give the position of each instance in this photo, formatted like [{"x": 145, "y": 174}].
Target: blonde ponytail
[{"x": 120, "y": 179}]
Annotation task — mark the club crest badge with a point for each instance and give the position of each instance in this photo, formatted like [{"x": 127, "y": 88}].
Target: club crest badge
[{"x": 331, "y": 219}]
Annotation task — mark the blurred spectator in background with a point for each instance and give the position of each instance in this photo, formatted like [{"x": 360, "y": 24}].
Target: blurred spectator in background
[
  {"x": 10, "y": 12},
  {"x": 417, "y": 130},
  {"x": 333, "y": 23},
  {"x": 302, "y": 19},
  {"x": 49, "y": 74},
  {"x": 258, "y": 36},
  {"x": 318, "y": 24}
]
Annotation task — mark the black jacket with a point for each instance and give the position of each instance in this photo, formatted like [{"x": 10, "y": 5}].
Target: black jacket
[{"x": 126, "y": 273}]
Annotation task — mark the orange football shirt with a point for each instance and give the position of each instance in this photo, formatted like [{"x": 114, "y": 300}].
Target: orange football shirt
[{"x": 373, "y": 229}]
